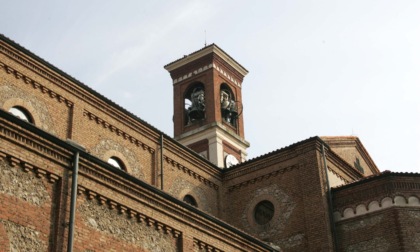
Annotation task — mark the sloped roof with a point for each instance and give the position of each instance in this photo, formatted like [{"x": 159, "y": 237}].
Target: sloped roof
[{"x": 212, "y": 48}]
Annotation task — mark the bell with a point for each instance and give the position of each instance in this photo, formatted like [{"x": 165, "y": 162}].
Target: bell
[{"x": 196, "y": 114}]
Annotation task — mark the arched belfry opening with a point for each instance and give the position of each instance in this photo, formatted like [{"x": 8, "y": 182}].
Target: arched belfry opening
[
  {"x": 230, "y": 107},
  {"x": 208, "y": 118},
  {"x": 194, "y": 104}
]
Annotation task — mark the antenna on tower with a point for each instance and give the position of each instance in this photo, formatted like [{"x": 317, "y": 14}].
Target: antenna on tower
[{"x": 205, "y": 38}]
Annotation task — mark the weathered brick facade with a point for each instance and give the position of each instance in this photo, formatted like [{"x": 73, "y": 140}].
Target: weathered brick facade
[{"x": 280, "y": 201}]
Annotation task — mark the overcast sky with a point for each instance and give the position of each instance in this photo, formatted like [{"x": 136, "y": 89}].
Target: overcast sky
[{"x": 316, "y": 68}]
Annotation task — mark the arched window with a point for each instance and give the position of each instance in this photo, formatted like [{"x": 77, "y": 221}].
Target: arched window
[
  {"x": 21, "y": 113},
  {"x": 117, "y": 163},
  {"x": 229, "y": 105},
  {"x": 194, "y": 103},
  {"x": 190, "y": 200}
]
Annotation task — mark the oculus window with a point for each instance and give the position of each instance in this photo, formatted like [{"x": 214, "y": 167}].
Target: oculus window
[{"x": 263, "y": 212}]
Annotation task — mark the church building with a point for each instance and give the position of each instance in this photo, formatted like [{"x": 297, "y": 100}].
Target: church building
[{"x": 80, "y": 173}]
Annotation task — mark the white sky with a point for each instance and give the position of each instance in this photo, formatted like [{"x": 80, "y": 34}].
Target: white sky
[{"x": 326, "y": 68}]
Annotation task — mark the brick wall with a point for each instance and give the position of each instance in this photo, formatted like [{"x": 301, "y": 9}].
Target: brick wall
[{"x": 294, "y": 181}]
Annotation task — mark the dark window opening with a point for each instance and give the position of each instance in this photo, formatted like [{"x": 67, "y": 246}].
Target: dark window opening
[
  {"x": 194, "y": 104},
  {"x": 190, "y": 200},
  {"x": 264, "y": 212},
  {"x": 229, "y": 106}
]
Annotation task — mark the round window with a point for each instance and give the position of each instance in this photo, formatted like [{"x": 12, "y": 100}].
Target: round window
[{"x": 264, "y": 212}]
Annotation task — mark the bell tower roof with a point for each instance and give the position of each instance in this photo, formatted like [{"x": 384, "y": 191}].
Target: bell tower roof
[{"x": 213, "y": 48}]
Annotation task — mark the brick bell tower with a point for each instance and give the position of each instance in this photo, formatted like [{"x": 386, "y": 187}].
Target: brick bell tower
[{"x": 208, "y": 106}]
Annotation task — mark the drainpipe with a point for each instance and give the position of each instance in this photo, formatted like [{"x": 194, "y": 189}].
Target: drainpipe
[
  {"x": 73, "y": 201},
  {"x": 330, "y": 202},
  {"x": 161, "y": 162}
]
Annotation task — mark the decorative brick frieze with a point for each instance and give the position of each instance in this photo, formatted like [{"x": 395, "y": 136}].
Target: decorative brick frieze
[
  {"x": 26, "y": 185},
  {"x": 31, "y": 143},
  {"x": 17, "y": 162},
  {"x": 365, "y": 193},
  {"x": 191, "y": 173},
  {"x": 251, "y": 165},
  {"x": 36, "y": 85},
  {"x": 338, "y": 175},
  {"x": 129, "y": 213},
  {"x": 202, "y": 246},
  {"x": 376, "y": 205},
  {"x": 38, "y": 69},
  {"x": 117, "y": 131},
  {"x": 227, "y": 75},
  {"x": 261, "y": 178},
  {"x": 204, "y": 68}
]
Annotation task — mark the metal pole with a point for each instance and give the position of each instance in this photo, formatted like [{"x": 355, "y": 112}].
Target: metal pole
[
  {"x": 330, "y": 202},
  {"x": 73, "y": 201}
]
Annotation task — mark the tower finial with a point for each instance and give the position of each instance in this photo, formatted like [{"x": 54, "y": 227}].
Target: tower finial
[{"x": 205, "y": 38}]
